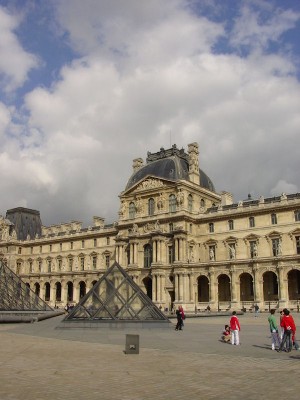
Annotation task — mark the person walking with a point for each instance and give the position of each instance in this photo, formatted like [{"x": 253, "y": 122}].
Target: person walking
[
  {"x": 235, "y": 329},
  {"x": 256, "y": 310},
  {"x": 179, "y": 321},
  {"x": 289, "y": 327},
  {"x": 274, "y": 330}
]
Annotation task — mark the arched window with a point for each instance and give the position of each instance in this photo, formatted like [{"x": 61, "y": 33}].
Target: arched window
[
  {"x": 147, "y": 256},
  {"x": 190, "y": 202},
  {"x": 151, "y": 205},
  {"x": 172, "y": 203},
  {"x": 131, "y": 210}
]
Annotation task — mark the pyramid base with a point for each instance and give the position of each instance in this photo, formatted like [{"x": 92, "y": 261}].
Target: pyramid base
[
  {"x": 119, "y": 325},
  {"x": 27, "y": 316}
]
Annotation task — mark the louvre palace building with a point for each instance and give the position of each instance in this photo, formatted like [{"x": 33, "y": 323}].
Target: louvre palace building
[{"x": 180, "y": 241}]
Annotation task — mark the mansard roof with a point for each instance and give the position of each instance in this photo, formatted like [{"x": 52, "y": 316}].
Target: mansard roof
[{"x": 171, "y": 164}]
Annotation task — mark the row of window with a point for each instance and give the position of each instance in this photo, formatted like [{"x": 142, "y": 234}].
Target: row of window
[
  {"x": 172, "y": 205},
  {"x": 50, "y": 264},
  {"x": 70, "y": 247},
  {"x": 211, "y": 225}
]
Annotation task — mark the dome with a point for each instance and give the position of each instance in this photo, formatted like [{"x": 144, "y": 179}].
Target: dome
[{"x": 172, "y": 164}]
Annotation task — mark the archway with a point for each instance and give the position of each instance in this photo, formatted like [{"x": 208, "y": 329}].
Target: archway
[
  {"x": 224, "y": 290},
  {"x": 70, "y": 291},
  {"x": 47, "y": 291},
  {"x": 203, "y": 289},
  {"x": 58, "y": 291},
  {"x": 148, "y": 286},
  {"x": 82, "y": 289},
  {"x": 37, "y": 289},
  {"x": 270, "y": 286},
  {"x": 246, "y": 287},
  {"x": 294, "y": 284}
]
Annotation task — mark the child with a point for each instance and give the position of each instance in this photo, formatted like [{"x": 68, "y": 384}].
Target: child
[
  {"x": 235, "y": 329},
  {"x": 226, "y": 335},
  {"x": 273, "y": 330}
]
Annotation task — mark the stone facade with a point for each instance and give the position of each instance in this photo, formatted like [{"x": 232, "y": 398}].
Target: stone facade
[{"x": 179, "y": 240}]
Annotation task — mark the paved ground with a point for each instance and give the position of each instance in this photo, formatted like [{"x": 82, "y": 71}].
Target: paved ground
[{"x": 43, "y": 363}]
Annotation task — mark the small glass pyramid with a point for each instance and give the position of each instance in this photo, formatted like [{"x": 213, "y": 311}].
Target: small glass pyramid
[
  {"x": 116, "y": 297},
  {"x": 15, "y": 295}
]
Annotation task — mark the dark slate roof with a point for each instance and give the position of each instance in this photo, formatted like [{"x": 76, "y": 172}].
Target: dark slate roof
[
  {"x": 172, "y": 164},
  {"x": 27, "y": 222}
]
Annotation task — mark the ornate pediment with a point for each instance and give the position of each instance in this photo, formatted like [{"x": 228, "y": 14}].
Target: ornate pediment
[{"x": 149, "y": 183}]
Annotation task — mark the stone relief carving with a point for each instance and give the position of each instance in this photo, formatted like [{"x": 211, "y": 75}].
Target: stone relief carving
[
  {"x": 161, "y": 202},
  {"x": 180, "y": 198},
  {"x": 149, "y": 184}
]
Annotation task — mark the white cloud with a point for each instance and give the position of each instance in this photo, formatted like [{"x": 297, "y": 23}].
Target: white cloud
[
  {"x": 149, "y": 78},
  {"x": 284, "y": 187},
  {"x": 255, "y": 30},
  {"x": 15, "y": 62}
]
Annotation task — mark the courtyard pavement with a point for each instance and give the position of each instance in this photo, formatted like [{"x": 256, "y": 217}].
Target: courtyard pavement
[{"x": 43, "y": 363}]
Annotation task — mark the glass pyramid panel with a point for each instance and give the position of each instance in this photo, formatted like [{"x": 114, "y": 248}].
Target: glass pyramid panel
[
  {"x": 15, "y": 295},
  {"x": 116, "y": 297}
]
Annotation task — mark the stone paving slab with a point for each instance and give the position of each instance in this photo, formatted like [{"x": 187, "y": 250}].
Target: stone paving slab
[{"x": 43, "y": 363}]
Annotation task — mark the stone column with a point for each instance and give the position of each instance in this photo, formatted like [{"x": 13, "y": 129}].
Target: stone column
[
  {"x": 64, "y": 292},
  {"x": 233, "y": 286},
  {"x": 52, "y": 293},
  {"x": 282, "y": 285},
  {"x": 176, "y": 287},
  {"x": 176, "y": 257},
  {"x": 181, "y": 286},
  {"x": 257, "y": 281},
  {"x": 76, "y": 292},
  {"x": 42, "y": 290},
  {"x": 213, "y": 289},
  {"x": 154, "y": 288},
  {"x": 154, "y": 252}
]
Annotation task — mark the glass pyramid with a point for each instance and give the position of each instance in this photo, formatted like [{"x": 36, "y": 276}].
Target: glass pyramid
[
  {"x": 15, "y": 295},
  {"x": 116, "y": 297}
]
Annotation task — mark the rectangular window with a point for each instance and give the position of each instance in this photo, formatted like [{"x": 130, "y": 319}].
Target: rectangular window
[
  {"x": 95, "y": 242},
  {"x": 107, "y": 261},
  {"x": 71, "y": 245},
  {"x": 59, "y": 264},
  {"x": 60, "y": 246},
  {"x": 94, "y": 262},
  {"x": 230, "y": 225},
  {"x": 70, "y": 264},
  {"x": 50, "y": 247},
  {"x": 82, "y": 263},
  {"x": 171, "y": 254},
  {"x": 40, "y": 266},
  {"x": 298, "y": 244},
  {"x": 297, "y": 215},
  {"x": 253, "y": 249},
  {"x": 82, "y": 244},
  {"x": 49, "y": 265},
  {"x": 275, "y": 247},
  {"x": 211, "y": 227},
  {"x": 30, "y": 267},
  {"x": 171, "y": 227},
  {"x": 20, "y": 250},
  {"x": 31, "y": 250},
  {"x": 251, "y": 222},
  {"x": 108, "y": 240},
  {"x": 273, "y": 219}
]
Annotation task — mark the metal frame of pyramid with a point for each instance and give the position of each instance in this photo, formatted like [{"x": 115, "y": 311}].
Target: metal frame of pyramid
[
  {"x": 18, "y": 303},
  {"x": 115, "y": 300}
]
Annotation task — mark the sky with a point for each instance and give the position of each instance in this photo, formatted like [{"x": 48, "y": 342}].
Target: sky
[{"x": 88, "y": 86}]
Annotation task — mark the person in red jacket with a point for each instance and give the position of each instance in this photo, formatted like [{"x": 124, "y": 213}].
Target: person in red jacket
[
  {"x": 235, "y": 329},
  {"x": 289, "y": 327}
]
